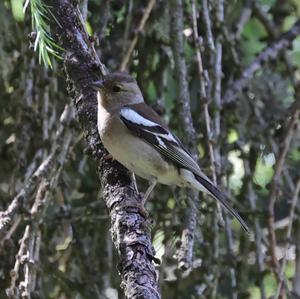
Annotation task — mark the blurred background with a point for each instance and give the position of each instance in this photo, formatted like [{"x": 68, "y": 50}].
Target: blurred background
[{"x": 240, "y": 115}]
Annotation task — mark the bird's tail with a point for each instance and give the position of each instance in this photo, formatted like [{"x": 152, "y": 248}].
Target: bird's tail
[
  {"x": 221, "y": 197},
  {"x": 203, "y": 184}
]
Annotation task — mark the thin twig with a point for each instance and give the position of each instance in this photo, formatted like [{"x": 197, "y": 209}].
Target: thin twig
[
  {"x": 43, "y": 171},
  {"x": 13, "y": 292},
  {"x": 257, "y": 227},
  {"x": 273, "y": 31},
  {"x": 207, "y": 22},
  {"x": 127, "y": 25},
  {"x": 278, "y": 168},
  {"x": 296, "y": 278},
  {"x": 270, "y": 52},
  {"x": 287, "y": 239},
  {"x": 185, "y": 252},
  {"x": 30, "y": 257},
  {"x": 11, "y": 231},
  {"x": 262, "y": 15},
  {"x": 134, "y": 41},
  {"x": 7, "y": 216},
  {"x": 230, "y": 250},
  {"x": 84, "y": 9},
  {"x": 31, "y": 254},
  {"x": 203, "y": 94},
  {"x": 204, "y": 99},
  {"x": 217, "y": 77},
  {"x": 244, "y": 16}
]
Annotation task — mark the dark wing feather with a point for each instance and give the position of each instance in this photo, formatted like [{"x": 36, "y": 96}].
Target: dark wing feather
[
  {"x": 217, "y": 194},
  {"x": 162, "y": 139}
]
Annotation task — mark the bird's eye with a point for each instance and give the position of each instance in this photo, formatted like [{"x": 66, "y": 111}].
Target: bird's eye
[{"x": 116, "y": 88}]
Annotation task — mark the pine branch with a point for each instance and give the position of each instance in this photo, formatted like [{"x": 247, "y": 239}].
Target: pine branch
[
  {"x": 270, "y": 52},
  {"x": 44, "y": 43}
]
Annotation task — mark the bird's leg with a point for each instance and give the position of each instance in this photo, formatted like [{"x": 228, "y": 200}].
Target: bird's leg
[
  {"x": 149, "y": 190},
  {"x": 134, "y": 182},
  {"x": 143, "y": 210}
]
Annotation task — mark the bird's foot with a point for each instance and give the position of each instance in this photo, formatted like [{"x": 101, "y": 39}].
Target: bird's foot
[
  {"x": 143, "y": 211},
  {"x": 148, "y": 191},
  {"x": 145, "y": 196}
]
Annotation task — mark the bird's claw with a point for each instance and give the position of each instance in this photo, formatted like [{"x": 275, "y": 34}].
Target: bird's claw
[{"x": 143, "y": 211}]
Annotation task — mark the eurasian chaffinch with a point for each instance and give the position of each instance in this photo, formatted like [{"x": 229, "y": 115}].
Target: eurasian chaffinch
[{"x": 135, "y": 135}]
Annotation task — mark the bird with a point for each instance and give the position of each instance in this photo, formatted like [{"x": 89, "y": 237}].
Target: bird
[{"x": 137, "y": 137}]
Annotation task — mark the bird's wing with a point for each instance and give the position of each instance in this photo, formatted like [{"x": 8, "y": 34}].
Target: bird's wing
[{"x": 149, "y": 127}]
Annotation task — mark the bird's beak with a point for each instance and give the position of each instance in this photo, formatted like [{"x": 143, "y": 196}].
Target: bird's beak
[{"x": 97, "y": 85}]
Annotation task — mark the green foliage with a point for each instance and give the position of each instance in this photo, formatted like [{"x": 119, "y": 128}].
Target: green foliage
[
  {"x": 253, "y": 32},
  {"x": 120, "y": 14},
  {"x": 89, "y": 28},
  {"x": 264, "y": 170},
  {"x": 232, "y": 136},
  {"x": 17, "y": 10},
  {"x": 44, "y": 43},
  {"x": 295, "y": 54},
  {"x": 235, "y": 179}
]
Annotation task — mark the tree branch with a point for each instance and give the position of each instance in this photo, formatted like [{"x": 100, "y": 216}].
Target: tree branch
[
  {"x": 134, "y": 41},
  {"x": 130, "y": 231},
  {"x": 271, "y": 52},
  {"x": 278, "y": 169},
  {"x": 288, "y": 238},
  {"x": 274, "y": 33},
  {"x": 251, "y": 196},
  {"x": 185, "y": 252},
  {"x": 44, "y": 171},
  {"x": 203, "y": 94}
]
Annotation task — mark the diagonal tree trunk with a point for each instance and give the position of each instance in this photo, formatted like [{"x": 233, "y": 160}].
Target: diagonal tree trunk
[{"x": 130, "y": 230}]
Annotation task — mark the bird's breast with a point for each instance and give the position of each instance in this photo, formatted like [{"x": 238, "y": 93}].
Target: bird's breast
[
  {"x": 133, "y": 152},
  {"x": 103, "y": 120}
]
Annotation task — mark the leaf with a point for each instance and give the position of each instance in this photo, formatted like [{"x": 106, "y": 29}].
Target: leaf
[{"x": 17, "y": 10}]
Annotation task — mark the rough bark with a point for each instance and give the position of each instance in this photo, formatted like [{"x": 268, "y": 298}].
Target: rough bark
[
  {"x": 185, "y": 252},
  {"x": 130, "y": 230}
]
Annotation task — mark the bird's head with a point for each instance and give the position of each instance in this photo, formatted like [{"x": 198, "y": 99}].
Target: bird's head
[{"x": 117, "y": 90}]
